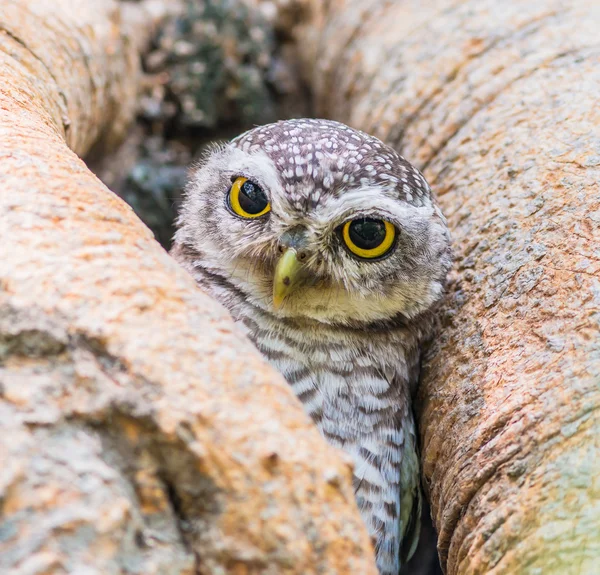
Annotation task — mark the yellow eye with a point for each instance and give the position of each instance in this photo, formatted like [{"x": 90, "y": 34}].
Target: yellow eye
[
  {"x": 247, "y": 200},
  {"x": 369, "y": 238}
]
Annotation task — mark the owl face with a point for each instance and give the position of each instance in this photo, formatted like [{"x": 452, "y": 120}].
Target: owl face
[{"x": 312, "y": 219}]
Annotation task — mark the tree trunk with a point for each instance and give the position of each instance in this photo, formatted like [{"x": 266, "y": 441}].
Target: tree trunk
[
  {"x": 139, "y": 431},
  {"x": 498, "y": 103}
]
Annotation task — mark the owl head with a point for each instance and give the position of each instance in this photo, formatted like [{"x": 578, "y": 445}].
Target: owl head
[{"x": 313, "y": 219}]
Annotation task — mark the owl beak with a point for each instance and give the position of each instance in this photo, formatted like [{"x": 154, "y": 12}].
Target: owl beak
[{"x": 286, "y": 275}]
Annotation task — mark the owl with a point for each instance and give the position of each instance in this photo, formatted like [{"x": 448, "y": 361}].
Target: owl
[{"x": 330, "y": 252}]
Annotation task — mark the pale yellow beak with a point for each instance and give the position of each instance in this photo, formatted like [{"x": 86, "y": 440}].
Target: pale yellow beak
[{"x": 285, "y": 278}]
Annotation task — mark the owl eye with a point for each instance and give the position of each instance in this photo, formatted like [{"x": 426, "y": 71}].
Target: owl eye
[
  {"x": 247, "y": 200},
  {"x": 369, "y": 238}
]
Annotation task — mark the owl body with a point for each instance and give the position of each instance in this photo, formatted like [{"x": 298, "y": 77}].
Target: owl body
[{"x": 329, "y": 252}]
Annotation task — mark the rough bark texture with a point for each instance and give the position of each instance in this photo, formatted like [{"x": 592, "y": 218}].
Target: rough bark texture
[
  {"x": 498, "y": 103},
  {"x": 139, "y": 432}
]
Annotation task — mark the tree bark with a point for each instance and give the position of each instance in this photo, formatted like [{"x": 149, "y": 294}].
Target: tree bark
[
  {"x": 498, "y": 103},
  {"x": 140, "y": 432}
]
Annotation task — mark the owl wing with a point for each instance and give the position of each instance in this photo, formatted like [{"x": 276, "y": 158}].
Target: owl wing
[
  {"x": 411, "y": 498},
  {"x": 387, "y": 475},
  {"x": 411, "y": 503}
]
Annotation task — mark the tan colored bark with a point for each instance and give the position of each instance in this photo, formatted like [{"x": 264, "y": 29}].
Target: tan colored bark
[
  {"x": 139, "y": 431},
  {"x": 498, "y": 103}
]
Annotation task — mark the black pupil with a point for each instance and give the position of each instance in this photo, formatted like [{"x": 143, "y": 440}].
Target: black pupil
[
  {"x": 367, "y": 234},
  {"x": 252, "y": 198}
]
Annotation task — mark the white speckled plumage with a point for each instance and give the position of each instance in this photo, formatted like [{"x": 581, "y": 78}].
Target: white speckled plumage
[{"x": 349, "y": 340}]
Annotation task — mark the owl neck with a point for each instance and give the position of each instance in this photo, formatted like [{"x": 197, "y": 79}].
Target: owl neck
[{"x": 398, "y": 331}]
